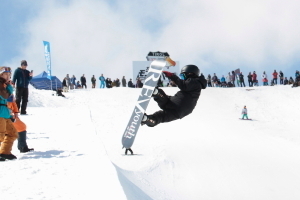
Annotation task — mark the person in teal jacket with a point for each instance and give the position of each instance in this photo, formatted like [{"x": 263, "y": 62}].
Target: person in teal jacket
[
  {"x": 8, "y": 133},
  {"x": 102, "y": 81}
]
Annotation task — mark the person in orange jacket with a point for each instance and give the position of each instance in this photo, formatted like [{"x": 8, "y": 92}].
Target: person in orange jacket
[
  {"x": 18, "y": 124},
  {"x": 8, "y": 133}
]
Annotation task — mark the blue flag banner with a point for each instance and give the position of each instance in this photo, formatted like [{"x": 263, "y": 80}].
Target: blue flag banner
[{"x": 47, "y": 57}]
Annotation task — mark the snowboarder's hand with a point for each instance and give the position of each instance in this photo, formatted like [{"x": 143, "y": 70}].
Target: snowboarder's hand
[{"x": 168, "y": 74}]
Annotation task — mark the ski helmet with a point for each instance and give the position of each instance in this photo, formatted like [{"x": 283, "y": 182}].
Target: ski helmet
[{"x": 191, "y": 69}]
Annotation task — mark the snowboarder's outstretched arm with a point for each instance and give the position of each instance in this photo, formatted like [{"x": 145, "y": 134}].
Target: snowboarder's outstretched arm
[{"x": 190, "y": 84}]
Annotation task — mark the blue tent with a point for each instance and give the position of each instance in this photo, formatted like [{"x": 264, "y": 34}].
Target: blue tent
[{"x": 41, "y": 81}]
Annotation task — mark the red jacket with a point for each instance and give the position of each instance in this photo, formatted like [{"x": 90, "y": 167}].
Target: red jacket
[{"x": 254, "y": 76}]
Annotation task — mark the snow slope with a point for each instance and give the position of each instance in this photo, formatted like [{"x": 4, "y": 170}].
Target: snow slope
[{"x": 210, "y": 154}]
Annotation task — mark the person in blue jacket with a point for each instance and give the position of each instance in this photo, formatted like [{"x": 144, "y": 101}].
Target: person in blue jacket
[
  {"x": 102, "y": 81},
  {"x": 21, "y": 80}
]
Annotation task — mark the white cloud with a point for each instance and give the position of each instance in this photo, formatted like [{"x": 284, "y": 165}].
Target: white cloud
[{"x": 94, "y": 37}]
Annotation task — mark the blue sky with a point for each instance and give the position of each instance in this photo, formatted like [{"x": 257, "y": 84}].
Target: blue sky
[{"x": 94, "y": 36}]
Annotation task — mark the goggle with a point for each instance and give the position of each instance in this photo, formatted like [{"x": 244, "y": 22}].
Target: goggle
[
  {"x": 182, "y": 76},
  {"x": 5, "y": 69}
]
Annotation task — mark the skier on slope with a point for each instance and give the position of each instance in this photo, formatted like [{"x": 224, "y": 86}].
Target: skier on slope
[{"x": 183, "y": 102}]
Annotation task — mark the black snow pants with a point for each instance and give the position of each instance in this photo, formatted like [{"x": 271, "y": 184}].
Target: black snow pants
[
  {"x": 22, "y": 95},
  {"x": 168, "y": 112}
]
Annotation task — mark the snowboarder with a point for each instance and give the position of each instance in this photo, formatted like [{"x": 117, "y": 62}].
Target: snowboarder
[
  {"x": 183, "y": 102},
  {"x": 244, "y": 113}
]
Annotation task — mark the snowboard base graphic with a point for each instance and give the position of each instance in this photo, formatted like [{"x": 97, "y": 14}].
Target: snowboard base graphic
[{"x": 150, "y": 83}]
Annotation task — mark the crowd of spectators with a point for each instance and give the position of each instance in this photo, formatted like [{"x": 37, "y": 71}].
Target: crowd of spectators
[
  {"x": 232, "y": 79},
  {"x": 237, "y": 79}
]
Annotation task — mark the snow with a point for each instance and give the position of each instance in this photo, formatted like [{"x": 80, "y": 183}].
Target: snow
[{"x": 210, "y": 154}]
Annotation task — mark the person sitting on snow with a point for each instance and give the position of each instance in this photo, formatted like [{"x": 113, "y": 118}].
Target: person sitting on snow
[
  {"x": 59, "y": 92},
  {"x": 183, "y": 102}
]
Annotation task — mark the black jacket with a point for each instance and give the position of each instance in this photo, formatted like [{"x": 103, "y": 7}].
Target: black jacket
[
  {"x": 64, "y": 83},
  {"x": 185, "y": 100},
  {"x": 83, "y": 80},
  {"x": 21, "y": 78},
  {"x": 241, "y": 77}
]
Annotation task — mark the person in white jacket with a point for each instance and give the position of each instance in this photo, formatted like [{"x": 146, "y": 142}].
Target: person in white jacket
[
  {"x": 228, "y": 78},
  {"x": 264, "y": 78},
  {"x": 244, "y": 113}
]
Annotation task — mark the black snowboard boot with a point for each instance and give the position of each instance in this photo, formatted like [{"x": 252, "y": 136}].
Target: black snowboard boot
[
  {"x": 26, "y": 149},
  {"x": 149, "y": 120},
  {"x": 8, "y": 156}
]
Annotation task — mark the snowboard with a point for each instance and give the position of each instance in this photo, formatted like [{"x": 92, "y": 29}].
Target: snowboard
[
  {"x": 154, "y": 72},
  {"x": 244, "y": 119}
]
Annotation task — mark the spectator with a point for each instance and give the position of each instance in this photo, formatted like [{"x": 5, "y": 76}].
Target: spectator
[
  {"x": 114, "y": 83},
  {"x": 8, "y": 133},
  {"x": 238, "y": 79},
  {"x": 250, "y": 82},
  {"x": 291, "y": 81},
  {"x": 19, "y": 125},
  {"x": 254, "y": 79},
  {"x": 83, "y": 81},
  {"x": 21, "y": 79},
  {"x": 59, "y": 92},
  {"x": 78, "y": 85},
  {"x": 72, "y": 82},
  {"x": 108, "y": 83},
  {"x": 264, "y": 78},
  {"x": 123, "y": 81},
  {"x": 297, "y": 82},
  {"x": 68, "y": 81},
  {"x": 117, "y": 82},
  {"x": 285, "y": 82},
  {"x": 233, "y": 76},
  {"x": 130, "y": 84},
  {"x": 223, "y": 81},
  {"x": 93, "y": 80},
  {"x": 241, "y": 78},
  {"x": 139, "y": 83},
  {"x": 208, "y": 80},
  {"x": 228, "y": 78},
  {"x": 275, "y": 76},
  {"x": 64, "y": 83},
  {"x": 102, "y": 81},
  {"x": 281, "y": 76},
  {"x": 215, "y": 80}
]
